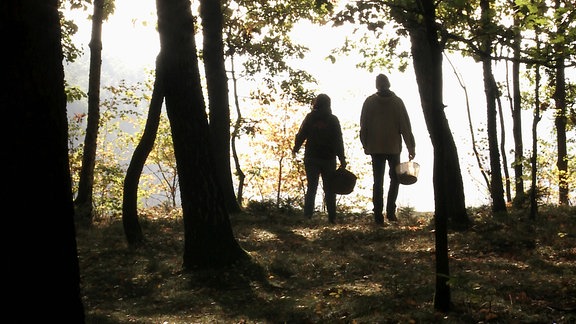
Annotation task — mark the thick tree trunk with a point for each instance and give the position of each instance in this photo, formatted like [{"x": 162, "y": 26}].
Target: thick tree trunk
[
  {"x": 39, "y": 241},
  {"x": 208, "y": 237},
  {"x": 130, "y": 221},
  {"x": 83, "y": 202},
  {"x": 217, "y": 86}
]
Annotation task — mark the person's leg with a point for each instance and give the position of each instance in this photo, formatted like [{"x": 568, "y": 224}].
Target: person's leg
[
  {"x": 393, "y": 161},
  {"x": 378, "y": 186},
  {"x": 312, "y": 176},
  {"x": 328, "y": 168}
]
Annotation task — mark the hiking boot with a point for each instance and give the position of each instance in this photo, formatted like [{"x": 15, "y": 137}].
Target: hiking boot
[
  {"x": 379, "y": 219},
  {"x": 392, "y": 217}
]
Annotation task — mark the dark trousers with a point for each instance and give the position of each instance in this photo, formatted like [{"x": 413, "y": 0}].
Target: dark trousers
[
  {"x": 314, "y": 169},
  {"x": 378, "y": 168}
]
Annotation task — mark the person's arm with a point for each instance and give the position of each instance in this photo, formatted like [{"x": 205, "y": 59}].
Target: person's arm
[
  {"x": 340, "y": 144},
  {"x": 300, "y": 136},
  {"x": 407, "y": 135},
  {"x": 363, "y": 131}
]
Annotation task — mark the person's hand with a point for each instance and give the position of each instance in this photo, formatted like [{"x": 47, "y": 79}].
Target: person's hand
[
  {"x": 343, "y": 164},
  {"x": 411, "y": 156}
]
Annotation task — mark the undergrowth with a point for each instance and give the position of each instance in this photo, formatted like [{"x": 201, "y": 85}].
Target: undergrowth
[{"x": 504, "y": 269}]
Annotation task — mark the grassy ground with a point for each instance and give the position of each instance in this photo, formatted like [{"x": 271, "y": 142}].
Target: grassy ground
[{"x": 503, "y": 270}]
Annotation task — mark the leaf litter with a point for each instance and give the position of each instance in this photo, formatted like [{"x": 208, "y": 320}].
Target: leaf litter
[{"x": 502, "y": 270}]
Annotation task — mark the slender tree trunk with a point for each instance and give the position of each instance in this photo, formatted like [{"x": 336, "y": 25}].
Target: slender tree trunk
[
  {"x": 429, "y": 78},
  {"x": 208, "y": 237},
  {"x": 560, "y": 123},
  {"x": 130, "y": 221},
  {"x": 217, "y": 84},
  {"x": 83, "y": 202},
  {"x": 39, "y": 252},
  {"x": 236, "y": 134},
  {"x": 561, "y": 119},
  {"x": 481, "y": 167},
  {"x": 534, "y": 158},
  {"x": 520, "y": 196},
  {"x": 448, "y": 190},
  {"x": 503, "y": 149},
  {"x": 496, "y": 188}
]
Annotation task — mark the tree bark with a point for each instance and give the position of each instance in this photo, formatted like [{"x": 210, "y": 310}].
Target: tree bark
[
  {"x": 560, "y": 123},
  {"x": 503, "y": 148},
  {"x": 83, "y": 202},
  {"x": 218, "y": 102},
  {"x": 208, "y": 237},
  {"x": 39, "y": 242},
  {"x": 561, "y": 119},
  {"x": 496, "y": 187},
  {"x": 447, "y": 181},
  {"x": 520, "y": 196},
  {"x": 130, "y": 221},
  {"x": 535, "y": 121}
]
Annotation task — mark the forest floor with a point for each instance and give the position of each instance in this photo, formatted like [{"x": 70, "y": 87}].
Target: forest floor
[{"x": 504, "y": 269}]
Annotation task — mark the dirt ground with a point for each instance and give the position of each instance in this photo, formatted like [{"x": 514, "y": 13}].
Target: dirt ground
[{"x": 504, "y": 269}]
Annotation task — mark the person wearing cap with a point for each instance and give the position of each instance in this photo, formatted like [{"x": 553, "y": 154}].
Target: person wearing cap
[
  {"x": 322, "y": 133},
  {"x": 384, "y": 122}
]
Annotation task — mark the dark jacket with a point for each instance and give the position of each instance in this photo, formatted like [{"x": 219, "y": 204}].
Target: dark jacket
[{"x": 323, "y": 135}]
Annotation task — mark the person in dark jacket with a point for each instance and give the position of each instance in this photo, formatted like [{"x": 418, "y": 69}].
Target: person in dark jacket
[
  {"x": 322, "y": 133},
  {"x": 384, "y": 122}
]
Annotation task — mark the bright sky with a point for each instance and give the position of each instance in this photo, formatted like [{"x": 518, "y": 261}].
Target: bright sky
[{"x": 130, "y": 37}]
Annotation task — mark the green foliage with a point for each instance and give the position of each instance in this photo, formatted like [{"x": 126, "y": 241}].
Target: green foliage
[
  {"x": 121, "y": 124},
  {"x": 259, "y": 33},
  {"x": 162, "y": 165},
  {"x": 271, "y": 171},
  {"x": 284, "y": 206},
  {"x": 74, "y": 93},
  {"x": 381, "y": 45}
]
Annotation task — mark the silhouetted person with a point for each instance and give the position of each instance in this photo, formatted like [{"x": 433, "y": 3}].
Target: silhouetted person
[
  {"x": 384, "y": 122},
  {"x": 322, "y": 133}
]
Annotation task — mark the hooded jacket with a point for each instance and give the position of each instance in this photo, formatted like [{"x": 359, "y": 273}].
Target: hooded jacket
[
  {"x": 323, "y": 135},
  {"x": 384, "y": 122}
]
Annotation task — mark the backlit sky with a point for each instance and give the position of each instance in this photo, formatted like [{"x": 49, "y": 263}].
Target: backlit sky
[{"x": 130, "y": 37}]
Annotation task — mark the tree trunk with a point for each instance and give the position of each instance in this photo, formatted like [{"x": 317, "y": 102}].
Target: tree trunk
[
  {"x": 208, "y": 237},
  {"x": 520, "y": 196},
  {"x": 236, "y": 134},
  {"x": 40, "y": 255},
  {"x": 560, "y": 120},
  {"x": 503, "y": 149},
  {"x": 83, "y": 202},
  {"x": 130, "y": 221},
  {"x": 560, "y": 123},
  {"x": 481, "y": 167},
  {"x": 535, "y": 121},
  {"x": 447, "y": 179},
  {"x": 217, "y": 86},
  {"x": 496, "y": 187}
]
